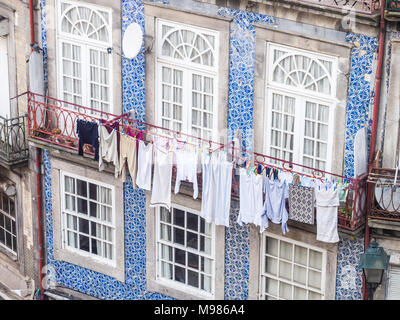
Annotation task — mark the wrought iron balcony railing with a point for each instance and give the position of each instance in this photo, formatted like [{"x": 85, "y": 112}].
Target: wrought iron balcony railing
[
  {"x": 358, "y": 6},
  {"x": 384, "y": 194},
  {"x": 53, "y": 122},
  {"x": 13, "y": 142}
]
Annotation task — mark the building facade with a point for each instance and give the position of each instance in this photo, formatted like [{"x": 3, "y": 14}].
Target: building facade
[
  {"x": 19, "y": 272},
  {"x": 295, "y": 79}
]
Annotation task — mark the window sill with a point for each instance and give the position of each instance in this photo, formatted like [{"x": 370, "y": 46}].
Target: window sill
[{"x": 177, "y": 291}]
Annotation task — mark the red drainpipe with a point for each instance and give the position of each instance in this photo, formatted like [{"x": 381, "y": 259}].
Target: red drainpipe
[
  {"x": 375, "y": 116},
  {"x": 38, "y": 176}
]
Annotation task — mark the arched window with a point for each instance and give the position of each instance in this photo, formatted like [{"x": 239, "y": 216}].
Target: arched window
[
  {"x": 300, "y": 97},
  {"x": 187, "y": 66},
  {"x": 302, "y": 71},
  {"x": 188, "y": 45},
  {"x": 85, "y": 22},
  {"x": 85, "y": 67}
]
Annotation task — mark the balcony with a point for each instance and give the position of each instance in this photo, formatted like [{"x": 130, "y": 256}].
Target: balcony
[
  {"x": 51, "y": 124},
  {"x": 13, "y": 143},
  {"x": 359, "y": 6},
  {"x": 385, "y": 194},
  {"x": 392, "y": 10}
]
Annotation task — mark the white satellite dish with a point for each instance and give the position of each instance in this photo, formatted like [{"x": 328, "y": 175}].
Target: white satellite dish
[{"x": 132, "y": 41}]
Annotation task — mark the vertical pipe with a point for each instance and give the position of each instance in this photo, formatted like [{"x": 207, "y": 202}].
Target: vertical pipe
[
  {"x": 38, "y": 173},
  {"x": 39, "y": 217},
  {"x": 375, "y": 116}
]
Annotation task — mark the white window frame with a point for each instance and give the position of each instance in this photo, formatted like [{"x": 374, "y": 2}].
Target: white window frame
[
  {"x": 301, "y": 96},
  {"x": 172, "y": 283},
  {"x": 292, "y": 283},
  {"x": 13, "y": 219},
  {"x": 63, "y": 219},
  {"x": 188, "y": 69},
  {"x": 85, "y": 45}
]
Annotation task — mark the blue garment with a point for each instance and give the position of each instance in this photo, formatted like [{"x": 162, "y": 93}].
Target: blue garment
[
  {"x": 276, "y": 193},
  {"x": 88, "y": 133}
]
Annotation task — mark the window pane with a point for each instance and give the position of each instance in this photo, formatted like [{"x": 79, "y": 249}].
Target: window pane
[
  {"x": 315, "y": 259},
  {"x": 166, "y": 252},
  {"x": 314, "y": 279},
  {"x": 81, "y": 188},
  {"x": 300, "y": 274},
  {"x": 193, "y": 278},
  {"x": 192, "y": 221},
  {"x": 83, "y": 226},
  {"x": 70, "y": 202},
  {"x": 286, "y": 250},
  {"x": 179, "y": 217},
  {"x": 300, "y": 255},
  {"x": 272, "y": 247},
  {"x": 300, "y": 294},
  {"x": 82, "y": 206},
  {"x": 165, "y": 232},
  {"x": 180, "y": 274},
  {"x": 192, "y": 240},
  {"x": 69, "y": 184},
  {"x": 93, "y": 191},
  {"x": 180, "y": 256},
  {"x": 84, "y": 243},
  {"x": 285, "y": 270},
  {"x": 179, "y": 236},
  {"x": 285, "y": 291},
  {"x": 314, "y": 296},
  {"x": 166, "y": 270},
  {"x": 206, "y": 283},
  {"x": 165, "y": 215},
  {"x": 271, "y": 286},
  {"x": 271, "y": 265},
  {"x": 193, "y": 261}
]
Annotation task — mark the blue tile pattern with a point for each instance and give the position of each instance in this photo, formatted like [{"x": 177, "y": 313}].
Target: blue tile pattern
[
  {"x": 360, "y": 94},
  {"x": 348, "y": 275},
  {"x": 241, "y": 72},
  {"x": 237, "y": 254}
]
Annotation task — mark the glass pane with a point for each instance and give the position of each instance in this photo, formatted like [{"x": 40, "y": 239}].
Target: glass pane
[
  {"x": 300, "y": 275},
  {"x": 166, "y": 270},
  {"x": 72, "y": 239},
  {"x": 179, "y": 217},
  {"x": 206, "y": 265},
  {"x": 314, "y": 296},
  {"x": 285, "y": 291},
  {"x": 286, "y": 250},
  {"x": 206, "y": 283},
  {"x": 82, "y": 206},
  {"x": 84, "y": 243},
  {"x": 300, "y": 255},
  {"x": 165, "y": 232},
  {"x": 192, "y": 240},
  {"x": 272, "y": 247},
  {"x": 193, "y": 261},
  {"x": 70, "y": 202},
  {"x": 180, "y": 256},
  {"x": 93, "y": 191},
  {"x": 72, "y": 222},
  {"x": 315, "y": 259},
  {"x": 83, "y": 226},
  {"x": 69, "y": 184},
  {"x": 300, "y": 294},
  {"x": 81, "y": 188},
  {"x": 105, "y": 195},
  {"x": 179, "y": 236},
  {"x": 180, "y": 274},
  {"x": 193, "y": 279},
  {"x": 165, "y": 215},
  {"x": 271, "y": 286},
  {"x": 314, "y": 279},
  {"x": 271, "y": 266},
  {"x": 94, "y": 209},
  {"x": 285, "y": 270}
]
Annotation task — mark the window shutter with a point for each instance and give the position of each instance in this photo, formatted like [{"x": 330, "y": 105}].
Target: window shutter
[{"x": 393, "y": 292}]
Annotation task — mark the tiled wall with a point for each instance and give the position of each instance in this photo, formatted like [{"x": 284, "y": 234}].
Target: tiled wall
[{"x": 241, "y": 88}]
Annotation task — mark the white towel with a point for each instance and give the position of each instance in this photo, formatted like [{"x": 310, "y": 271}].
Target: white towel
[
  {"x": 327, "y": 203},
  {"x": 161, "y": 192}
]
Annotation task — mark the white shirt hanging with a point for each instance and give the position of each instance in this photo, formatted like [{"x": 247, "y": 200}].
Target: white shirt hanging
[{"x": 145, "y": 162}]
